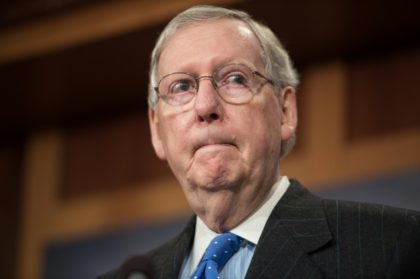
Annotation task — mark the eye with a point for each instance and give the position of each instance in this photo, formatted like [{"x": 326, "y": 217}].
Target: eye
[
  {"x": 181, "y": 86},
  {"x": 236, "y": 79},
  {"x": 234, "y": 75}
]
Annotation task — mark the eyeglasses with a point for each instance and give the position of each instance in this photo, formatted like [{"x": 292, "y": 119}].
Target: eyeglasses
[{"x": 235, "y": 84}]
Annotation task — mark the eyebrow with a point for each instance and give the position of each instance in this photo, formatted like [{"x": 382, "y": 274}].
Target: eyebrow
[{"x": 215, "y": 67}]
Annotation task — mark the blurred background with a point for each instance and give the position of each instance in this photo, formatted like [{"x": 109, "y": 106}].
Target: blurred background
[{"x": 81, "y": 188}]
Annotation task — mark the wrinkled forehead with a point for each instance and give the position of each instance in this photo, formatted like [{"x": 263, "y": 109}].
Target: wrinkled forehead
[
  {"x": 198, "y": 39},
  {"x": 238, "y": 28}
]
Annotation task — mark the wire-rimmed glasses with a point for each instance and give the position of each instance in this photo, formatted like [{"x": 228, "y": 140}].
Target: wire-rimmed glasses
[{"x": 235, "y": 84}]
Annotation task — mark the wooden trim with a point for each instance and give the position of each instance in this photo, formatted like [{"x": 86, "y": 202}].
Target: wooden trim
[
  {"x": 41, "y": 176},
  {"x": 46, "y": 217},
  {"x": 326, "y": 156},
  {"x": 88, "y": 24},
  {"x": 99, "y": 213}
]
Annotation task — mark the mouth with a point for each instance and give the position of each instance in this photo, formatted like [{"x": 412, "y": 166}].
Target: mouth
[{"x": 213, "y": 144}]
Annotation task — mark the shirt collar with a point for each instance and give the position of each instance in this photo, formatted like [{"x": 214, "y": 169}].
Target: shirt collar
[{"x": 250, "y": 229}]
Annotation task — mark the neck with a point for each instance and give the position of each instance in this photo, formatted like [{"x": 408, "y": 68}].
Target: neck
[{"x": 224, "y": 210}]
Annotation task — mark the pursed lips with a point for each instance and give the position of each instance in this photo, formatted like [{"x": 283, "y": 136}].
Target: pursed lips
[{"x": 214, "y": 143}]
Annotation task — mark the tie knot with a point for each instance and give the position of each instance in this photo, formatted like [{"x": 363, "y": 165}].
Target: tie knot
[{"x": 222, "y": 247}]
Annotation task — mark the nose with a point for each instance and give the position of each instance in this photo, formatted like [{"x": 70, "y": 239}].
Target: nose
[{"x": 207, "y": 102}]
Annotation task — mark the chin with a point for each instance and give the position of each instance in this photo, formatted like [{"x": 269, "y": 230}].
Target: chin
[{"x": 217, "y": 181}]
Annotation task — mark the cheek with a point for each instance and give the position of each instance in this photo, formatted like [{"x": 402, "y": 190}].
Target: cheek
[
  {"x": 175, "y": 136},
  {"x": 264, "y": 128}
]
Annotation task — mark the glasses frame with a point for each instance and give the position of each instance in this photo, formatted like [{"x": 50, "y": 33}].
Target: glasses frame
[{"x": 211, "y": 77}]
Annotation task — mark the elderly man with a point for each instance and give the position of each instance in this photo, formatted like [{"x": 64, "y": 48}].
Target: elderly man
[{"x": 222, "y": 114}]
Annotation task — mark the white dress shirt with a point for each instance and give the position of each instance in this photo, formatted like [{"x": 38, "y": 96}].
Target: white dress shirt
[{"x": 250, "y": 230}]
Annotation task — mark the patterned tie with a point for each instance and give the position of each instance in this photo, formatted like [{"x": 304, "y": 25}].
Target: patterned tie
[{"x": 219, "y": 251}]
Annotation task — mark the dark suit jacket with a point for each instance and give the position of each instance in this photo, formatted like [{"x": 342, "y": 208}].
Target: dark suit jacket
[{"x": 308, "y": 237}]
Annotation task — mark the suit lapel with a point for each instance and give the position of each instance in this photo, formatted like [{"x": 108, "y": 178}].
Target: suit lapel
[
  {"x": 296, "y": 227},
  {"x": 169, "y": 263}
]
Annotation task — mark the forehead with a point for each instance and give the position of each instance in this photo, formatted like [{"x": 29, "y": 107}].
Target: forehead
[{"x": 206, "y": 45}]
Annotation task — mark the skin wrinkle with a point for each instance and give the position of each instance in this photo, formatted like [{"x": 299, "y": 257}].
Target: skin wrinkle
[{"x": 226, "y": 180}]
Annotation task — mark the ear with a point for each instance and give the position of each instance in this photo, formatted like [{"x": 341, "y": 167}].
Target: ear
[
  {"x": 289, "y": 112},
  {"x": 155, "y": 133}
]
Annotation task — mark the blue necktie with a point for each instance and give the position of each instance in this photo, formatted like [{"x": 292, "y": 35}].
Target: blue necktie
[{"x": 219, "y": 251}]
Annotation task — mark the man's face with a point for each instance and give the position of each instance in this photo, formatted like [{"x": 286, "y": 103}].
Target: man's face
[{"x": 225, "y": 156}]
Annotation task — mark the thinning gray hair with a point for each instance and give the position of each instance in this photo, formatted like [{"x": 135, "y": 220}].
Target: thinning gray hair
[{"x": 276, "y": 59}]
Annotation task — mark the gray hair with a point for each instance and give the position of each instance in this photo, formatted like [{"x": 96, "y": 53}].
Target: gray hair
[{"x": 276, "y": 59}]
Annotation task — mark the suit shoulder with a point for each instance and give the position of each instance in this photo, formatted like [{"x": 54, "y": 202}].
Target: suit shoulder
[
  {"x": 356, "y": 217},
  {"x": 163, "y": 249},
  {"x": 170, "y": 255},
  {"x": 369, "y": 209}
]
